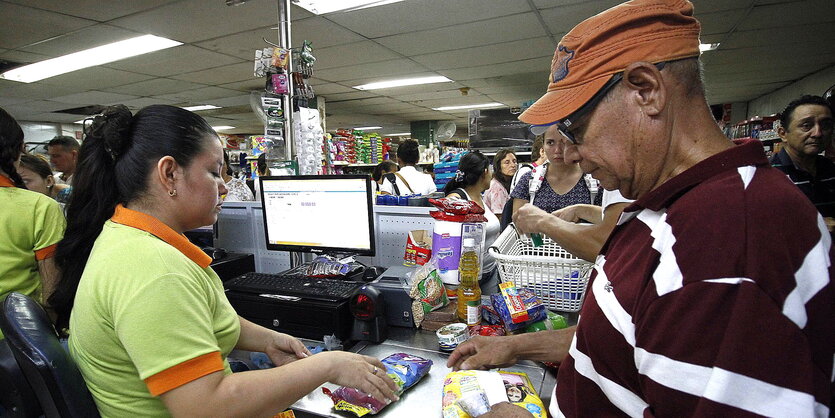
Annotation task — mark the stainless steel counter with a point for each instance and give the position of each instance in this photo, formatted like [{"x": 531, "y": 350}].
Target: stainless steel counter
[{"x": 423, "y": 399}]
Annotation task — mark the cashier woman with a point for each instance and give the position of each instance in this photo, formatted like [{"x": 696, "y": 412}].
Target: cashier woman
[{"x": 151, "y": 327}]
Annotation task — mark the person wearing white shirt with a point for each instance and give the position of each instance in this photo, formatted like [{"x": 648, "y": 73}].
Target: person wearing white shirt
[{"x": 410, "y": 179}]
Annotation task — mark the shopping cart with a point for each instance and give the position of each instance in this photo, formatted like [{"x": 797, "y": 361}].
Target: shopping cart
[{"x": 552, "y": 273}]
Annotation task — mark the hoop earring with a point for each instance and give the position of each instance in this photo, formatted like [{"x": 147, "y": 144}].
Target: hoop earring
[{"x": 172, "y": 193}]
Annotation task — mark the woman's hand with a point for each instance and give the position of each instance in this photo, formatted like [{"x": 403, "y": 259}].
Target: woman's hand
[
  {"x": 365, "y": 373},
  {"x": 283, "y": 349}
]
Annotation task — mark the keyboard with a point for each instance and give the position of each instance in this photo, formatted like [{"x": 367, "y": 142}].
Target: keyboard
[{"x": 288, "y": 287}]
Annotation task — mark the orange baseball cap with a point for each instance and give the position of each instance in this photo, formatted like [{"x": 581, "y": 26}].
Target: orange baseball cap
[{"x": 604, "y": 44}]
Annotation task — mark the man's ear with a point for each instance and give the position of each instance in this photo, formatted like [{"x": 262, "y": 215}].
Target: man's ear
[
  {"x": 167, "y": 172},
  {"x": 74, "y": 154},
  {"x": 781, "y": 132},
  {"x": 646, "y": 87}
]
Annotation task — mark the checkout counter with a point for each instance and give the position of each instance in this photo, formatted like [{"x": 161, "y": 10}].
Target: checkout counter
[{"x": 240, "y": 228}]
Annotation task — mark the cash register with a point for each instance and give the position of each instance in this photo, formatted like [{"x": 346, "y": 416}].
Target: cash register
[{"x": 323, "y": 214}]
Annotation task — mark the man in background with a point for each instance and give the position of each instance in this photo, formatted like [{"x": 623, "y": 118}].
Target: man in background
[{"x": 63, "y": 155}]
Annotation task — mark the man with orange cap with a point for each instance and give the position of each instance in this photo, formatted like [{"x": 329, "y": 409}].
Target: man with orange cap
[{"x": 706, "y": 299}]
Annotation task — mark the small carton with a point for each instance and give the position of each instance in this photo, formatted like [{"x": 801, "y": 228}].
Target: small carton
[{"x": 418, "y": 248}]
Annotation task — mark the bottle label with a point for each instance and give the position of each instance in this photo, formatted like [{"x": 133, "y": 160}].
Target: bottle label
[{"x": 474, "y": 312}]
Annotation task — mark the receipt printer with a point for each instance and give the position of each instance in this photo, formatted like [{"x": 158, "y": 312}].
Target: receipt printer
[{"x": 393, "y": 285}]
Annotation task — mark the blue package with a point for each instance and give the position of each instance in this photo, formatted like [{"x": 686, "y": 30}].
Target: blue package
[{"x": 536, "y": 314}]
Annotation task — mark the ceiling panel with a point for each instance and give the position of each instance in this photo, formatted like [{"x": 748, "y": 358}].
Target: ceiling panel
[
  {"x": 789, "y": 14},
  {"x": 22, "y": 57},
  {"x": 248, "y": 85},
  {"x": 561, "y": 19},
  {"x": 33, "y": 91},
  {"x": 20, "y": 30},
  {"x": 721, "y": 22},
  {"x": 322, "y": 33},
  {"x": 139, "y": 103},
  {"x": 93, "y": 98},
  {"x": 489, "y": 54},
  {"x": 155, "y": 86},
  {"x": 40, "y": 106},
  {"x": 446, "y": 94},
  {"x": 239, "y": 100},
  {"x": 178, "y": 60},
  {"x": 412, "y": 16},
  {"x": 95, "y": 78},
  {"x": 382, "y": 70},
  {"x": 93, "y": 9},
  {"x": 507, "y": 68},
  {"x": 485, "y": 32},
  {"x": 351, "y": 54},
  {"x": 242, "y": 45},
  {"x": 89, "y": 37},
  {"x": 220, "y": 75},
  {"x": 7, "y": 101},
  {"x": 58, "y": 117},
  {"x": 198, "y": 95},
  {"x": 204, "y": 19},
  {"x": 780, "y": 36},
  {"x": 702, "y": 7},
  {"x": 347, "y": 96},
  {"x": 325, "y": 88}
]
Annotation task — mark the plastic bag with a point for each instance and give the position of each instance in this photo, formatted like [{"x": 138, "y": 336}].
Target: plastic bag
[
  {"x": 470, "y": 393},
  {"x": 404, "y": 369},
  {"x": 427, "y": 290}
]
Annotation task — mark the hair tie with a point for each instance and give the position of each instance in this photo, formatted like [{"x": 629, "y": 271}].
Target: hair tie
[{"x": 459, "y": 175}]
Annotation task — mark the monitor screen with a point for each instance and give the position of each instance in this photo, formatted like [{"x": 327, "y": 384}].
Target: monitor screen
[{"x": 328, "y": 213}]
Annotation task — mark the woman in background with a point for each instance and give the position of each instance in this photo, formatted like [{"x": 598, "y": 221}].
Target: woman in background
[
  {"x": 31, "y": 224},
  {"x": 410, "y": 179},
  {"x": 150, "y": 324},
  {"x": 38, "y": 177},
  {"x": 471, "y": 180},
  {"x": 504, "y": 167},
  {"x": 384, "y": 170}
]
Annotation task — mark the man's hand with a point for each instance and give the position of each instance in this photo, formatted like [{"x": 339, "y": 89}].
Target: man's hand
[
  {"x": 529, "y": 218},
  {"x": 483, "y": 353},
  {"x": 507, "y": 410}
]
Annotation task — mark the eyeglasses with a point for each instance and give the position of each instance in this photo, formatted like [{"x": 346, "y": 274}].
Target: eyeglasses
[{"x": 564, "y": 125}]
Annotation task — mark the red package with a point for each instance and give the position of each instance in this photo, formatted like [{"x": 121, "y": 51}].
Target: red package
[
  {"x": 487, "y": 330},
  {"x": 470, "y": 217},
  {"x": 457, "y": 206}
]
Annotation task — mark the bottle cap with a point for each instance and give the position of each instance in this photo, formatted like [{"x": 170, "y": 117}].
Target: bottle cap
[{"x": 469, "y": 242}]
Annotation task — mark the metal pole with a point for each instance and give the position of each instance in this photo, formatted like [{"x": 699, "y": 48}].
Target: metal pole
[{"x": 287, "y": 103}]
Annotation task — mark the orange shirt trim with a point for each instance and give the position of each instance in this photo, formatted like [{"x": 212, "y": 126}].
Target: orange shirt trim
[
  {"x": 148, "y": 223},
  {"x": 184, "y": 372},
  {"x": 45, "y": 253},
  {"x": 6, "y": 182}
]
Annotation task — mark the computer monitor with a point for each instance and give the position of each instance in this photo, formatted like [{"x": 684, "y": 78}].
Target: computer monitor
[{"x": 318, "y": 214}]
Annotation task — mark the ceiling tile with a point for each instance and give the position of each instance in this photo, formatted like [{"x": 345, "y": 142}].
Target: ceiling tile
[
  {"x": 22, "y": 57},
  {"x": 721, "y": 22},
  {"x": 325, "y": 88},
  {"x": 351, "y": 54},
  {"x": 561, "y": 19},
  {"x": 238, "y": 100},
  {"x": 94, "y": 97},
  {"x": 347, "y": 96},
  {"x": 198, "y": 95},
  {"x": 779, "y": 36},
  {"x": 384, "y": 70},
  {"x": 33, "y": 91},
  {"x": 205, "y": 19},
  {"x": 444, "y": 94},
  {"x": 701, "y": 7},
  {"x": 25, "y": 25},
  {"x": 6, "y": 101},
  {"x": 248, "y": 85},
  {"x": 789, "y": 14},
  {"x": 155, "y": 87},
  {"x": 539, "y": 78},
  {"x": 40, "y": 106},
  {"x": 242, "y": 45},
  {"x": 412, "y": 16},
  {"x": 321, "y": 32},
  {"x": 220, "y": 75},
  {"x": 488, "y": 55},
  {"x": 95, "y": 78},
  {"x": 86, "y": 38},
  {"x": 92, "y": 9},
  {"x": 139, "y": 103},
  {"x": 485, "y": 32},
  {"x": 503, "y": 69},
  {"x": 57, "y": 117},
  {"x": 178, "y": 60}
]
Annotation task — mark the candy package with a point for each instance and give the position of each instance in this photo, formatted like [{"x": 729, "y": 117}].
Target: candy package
[
  {"x": 427, "y": 291},
  {"x": 470, "y": 393},
  {"x": 517, "y": 307},
  {"x": 457, "y": 210},
  {"x": 404, "y": 369}
]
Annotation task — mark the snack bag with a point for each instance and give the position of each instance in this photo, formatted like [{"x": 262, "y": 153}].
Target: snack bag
[
  {"x": 404, "y": 369},
  {"x": 517, "y": 307},
  {"x": 428, "y": 292},
  {"x": 470, "y": 393}
]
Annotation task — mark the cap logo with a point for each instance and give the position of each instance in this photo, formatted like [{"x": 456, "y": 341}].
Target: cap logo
[{"x": 560, "y": 67}]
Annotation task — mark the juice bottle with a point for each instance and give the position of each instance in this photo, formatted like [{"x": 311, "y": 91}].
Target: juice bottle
[{"x": 469, "y": 294}]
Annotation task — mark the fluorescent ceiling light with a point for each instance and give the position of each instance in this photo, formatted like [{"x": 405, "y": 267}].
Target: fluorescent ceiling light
[
  {"x": 367, "y": 128},
  {"x": 222, "y": 127},
  {"x": 708, "y": 47},
  {"x": 403, "y": 82},
  {"x": 201, "y": 107},
  {"x": 399, "y": 134},
  {"x": 477, "y": 106},
  {"x": 88, "y": 58},
  {"x": 327, "y": 6}
]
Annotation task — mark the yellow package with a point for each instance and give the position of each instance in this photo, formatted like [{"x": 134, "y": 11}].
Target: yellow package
[{"x": 470, "y": 393}]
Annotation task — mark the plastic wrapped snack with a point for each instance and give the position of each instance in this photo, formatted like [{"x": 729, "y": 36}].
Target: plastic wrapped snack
[
  {"x": 427, "y": 291},
  {"x": 470, "y": 393},
  {"x": 517, "y": 307},
  {"x": 404, "y": 369}
]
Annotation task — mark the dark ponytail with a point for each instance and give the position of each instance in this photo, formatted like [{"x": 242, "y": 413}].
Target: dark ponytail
[
  {"x": 11, "y": 141},
  {"x": 262, "y": 165},
  {"x": 470, "y": 169},
  {"x": 117, "y": 155}
]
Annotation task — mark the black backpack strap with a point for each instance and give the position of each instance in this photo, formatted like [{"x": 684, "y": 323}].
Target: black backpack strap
[{"x": 393, "y": 180}]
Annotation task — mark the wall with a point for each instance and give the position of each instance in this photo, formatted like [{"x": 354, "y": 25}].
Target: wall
[{"x": 772, "y": 103}]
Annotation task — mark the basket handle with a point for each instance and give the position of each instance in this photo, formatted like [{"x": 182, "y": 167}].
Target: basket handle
[{"x": 496, "y": 249}]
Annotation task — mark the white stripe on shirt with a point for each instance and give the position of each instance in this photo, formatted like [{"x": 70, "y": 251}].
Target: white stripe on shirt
[
  {"x": 608, "y": 303},
  {"x": 667, "y": 276},
  {"x": 621, "y": 397},
  {"x": 811, "y": 277},
  {"x": 726, "y": 387},
  {"x": 747, "y": 173}
]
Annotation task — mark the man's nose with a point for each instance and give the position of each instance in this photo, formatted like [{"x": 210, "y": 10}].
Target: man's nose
[{"x": 570, "y": 154}]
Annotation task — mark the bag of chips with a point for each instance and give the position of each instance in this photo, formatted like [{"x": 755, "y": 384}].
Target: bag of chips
[
  {"x": 470, "y": 393},
  {"x": 404, "y": 369},
  {"x": 427, "y": 291}
]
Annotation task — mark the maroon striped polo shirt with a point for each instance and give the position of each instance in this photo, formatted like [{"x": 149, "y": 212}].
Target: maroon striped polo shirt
[{"x": 713, "y": 296}]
